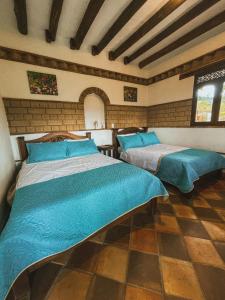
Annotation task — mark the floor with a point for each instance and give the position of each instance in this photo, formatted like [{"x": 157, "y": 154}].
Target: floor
[{"x": 181, "y": 255}]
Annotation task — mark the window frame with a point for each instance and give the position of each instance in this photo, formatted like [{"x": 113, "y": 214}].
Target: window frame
[{"x": 218, "y": 82}]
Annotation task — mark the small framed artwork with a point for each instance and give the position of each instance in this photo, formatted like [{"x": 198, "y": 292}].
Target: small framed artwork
[
  {"x": 130, "y": 94},
  {"x": 42, "y": 83}
]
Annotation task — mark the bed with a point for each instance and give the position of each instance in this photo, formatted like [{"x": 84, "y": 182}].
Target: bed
[
  {"x": 59, "y": 204},
  {"x": 176, "y": 165}
]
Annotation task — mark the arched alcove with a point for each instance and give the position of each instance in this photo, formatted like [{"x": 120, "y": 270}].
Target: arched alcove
[{"x": 94, "y": 101}]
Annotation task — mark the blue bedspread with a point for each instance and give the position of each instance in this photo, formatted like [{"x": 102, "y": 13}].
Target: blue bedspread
[
  {"x": 50, "y": 217},
  {"x": 182, "y": 168}
]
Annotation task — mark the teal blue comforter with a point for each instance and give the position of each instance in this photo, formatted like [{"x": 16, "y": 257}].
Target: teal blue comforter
[
  {"x": 50, "y": 217},
  {"x": 183, "y": 168}
]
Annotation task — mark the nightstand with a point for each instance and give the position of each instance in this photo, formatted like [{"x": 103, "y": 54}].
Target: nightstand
[{"x": 107, "y": 150}]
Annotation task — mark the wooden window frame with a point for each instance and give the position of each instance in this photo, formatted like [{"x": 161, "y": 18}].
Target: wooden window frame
[{"x": 216, "y": 100}]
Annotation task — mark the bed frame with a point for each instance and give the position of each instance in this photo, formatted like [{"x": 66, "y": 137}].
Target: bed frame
[
  {"x": 22, "y": 287},
  {"x": 129, "y": 130}
]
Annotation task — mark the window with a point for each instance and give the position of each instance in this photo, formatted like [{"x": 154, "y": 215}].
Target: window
[{"x": 209, "y": 99}]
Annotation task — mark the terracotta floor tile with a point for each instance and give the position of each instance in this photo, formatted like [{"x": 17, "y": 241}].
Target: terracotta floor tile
[
  {"x": 169, "y": 297},
  {"x": 118, "y": 235},
  {"x": 42, "y": 280},
  {"x": 143, "y": 220},
  {"x": 192, "y": 228},
  {"x": 221, "y": 213},
  {"x": 220, "y": 247},
  {"x": 84, "y": 257},
  {"x": 200, "y": 202},
  {"x": 105, "y": 289},
  {"x": 165, "y": 209},
  {"x": 164, "y": 200},
  {"x": 184, "y": 211},
  {"x": 203, "y": 251},
  {"x": 180, "y": 279},
  {"x": 167, "y": 224},
  {"x": 63, "y": 258},
  {"x": 172, "y": 245},
  {"x": 211, "y": 195},
  {"x": 112, "y": 263},
  {"x": 135, "y": 293},
  {"x": 176, "y": 199},
  {"x": 70, "y": 285},
  {"x": 212, "y": 281},
  {"x": 215, "y": 230},
  {"x": 206, "y": 214},
  {"x": 144, "y": 240},
  {"x": 217, "y": 204},
  {"x": 99, "y": 238},
  {"x": 143, "y": 270}
]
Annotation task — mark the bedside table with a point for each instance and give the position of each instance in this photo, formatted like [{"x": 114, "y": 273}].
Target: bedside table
[{"x": 106, "y": 150}]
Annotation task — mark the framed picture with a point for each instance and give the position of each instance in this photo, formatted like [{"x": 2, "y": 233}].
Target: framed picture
[
  {"x": 130, "y": 94},
  {"x": 41, "y": 83}
]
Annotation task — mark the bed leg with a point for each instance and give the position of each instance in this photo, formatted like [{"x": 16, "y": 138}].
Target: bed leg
[
  {"x": 21, "y": 288},
  {"x": 152, "y": 208}
]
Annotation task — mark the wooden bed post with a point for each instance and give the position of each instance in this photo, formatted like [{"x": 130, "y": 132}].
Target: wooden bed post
[
  {"x": 22, "y": 147},
  {"x": 88, "y": 135},
  {"x": 115, "y": 142}
]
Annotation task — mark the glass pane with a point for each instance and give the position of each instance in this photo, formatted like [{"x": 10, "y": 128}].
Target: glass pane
[
  {"x": 222, "y": 105},
  {"x": 205, "y": 97}
]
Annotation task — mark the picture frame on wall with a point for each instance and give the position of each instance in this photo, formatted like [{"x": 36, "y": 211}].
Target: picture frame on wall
[
  {"x": 42, "y": 83},
  {"x": 130, "y": 94}
]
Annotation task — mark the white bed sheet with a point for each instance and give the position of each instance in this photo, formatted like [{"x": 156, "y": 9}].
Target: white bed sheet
[
  {"x": 44, "y": 171},
  {"x": 148, "y": 157}
]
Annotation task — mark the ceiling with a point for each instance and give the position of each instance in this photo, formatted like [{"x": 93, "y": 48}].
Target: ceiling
[{"x": 38, "y": 14}]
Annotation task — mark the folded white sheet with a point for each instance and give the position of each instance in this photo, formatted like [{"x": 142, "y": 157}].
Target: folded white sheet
[
  {"x": 148, "y": 157},
  {"x": 44, "y": 171}
]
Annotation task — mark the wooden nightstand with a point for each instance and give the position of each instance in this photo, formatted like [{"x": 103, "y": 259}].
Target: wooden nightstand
[{"x": 107, "y": 150}]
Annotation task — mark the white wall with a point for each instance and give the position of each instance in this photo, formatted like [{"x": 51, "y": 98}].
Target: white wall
[
  {"x": 6, "y": 157},
  {"x": 94, "y": 111},
  {"x": 206, "y": 138},
  {"x": 14, "y": 84}
]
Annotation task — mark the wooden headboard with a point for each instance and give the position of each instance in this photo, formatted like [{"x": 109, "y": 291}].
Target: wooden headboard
[
  {"x": 128, "y": 130},
  {"x": 50, "y": 137}
]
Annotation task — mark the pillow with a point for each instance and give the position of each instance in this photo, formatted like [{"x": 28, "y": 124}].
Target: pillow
[
  {"x": 131, "y": 141},
  {"x": 149, "y": 138},
  {"x": 38, "y": 152},
  {"x": 80, "y": 148}
]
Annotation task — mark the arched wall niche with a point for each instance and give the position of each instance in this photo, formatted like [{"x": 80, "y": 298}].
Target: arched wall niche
[{"x": 94, "y": 118}]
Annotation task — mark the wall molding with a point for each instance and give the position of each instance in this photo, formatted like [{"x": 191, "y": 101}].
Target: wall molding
[
  {"x": 94, "y": 90},
  {"x": 54, "y": 63},
  {"x": 185, "y": 70},
  {"x": 190, "y": 67}
]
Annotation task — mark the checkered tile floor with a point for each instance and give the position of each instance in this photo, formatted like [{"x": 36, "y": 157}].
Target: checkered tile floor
[{"x": 181, "y": 255}]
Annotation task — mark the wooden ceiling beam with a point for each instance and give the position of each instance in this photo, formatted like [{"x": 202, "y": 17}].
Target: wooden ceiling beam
[
  {"x": 20, "y": 9},
  {"x": 120, "y": 22},
  {"x": 89, "y": 16},
  {"x": 161, "y": 14},
  {"x": 188, "y": 37},
  {"x": 187, "y": 17},
  {"x": 50, "y": 33}
]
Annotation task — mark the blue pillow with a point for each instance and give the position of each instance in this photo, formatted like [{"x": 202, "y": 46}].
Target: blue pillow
[
  {"x": 81, "y": 148},
  {"x": 38, "y": 152},
  {"x": 149, "y": 138},
  {"x": 130, "y": 141}
]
